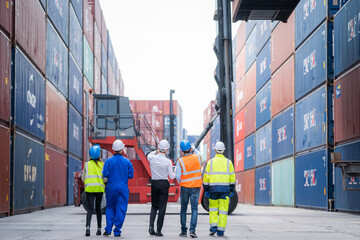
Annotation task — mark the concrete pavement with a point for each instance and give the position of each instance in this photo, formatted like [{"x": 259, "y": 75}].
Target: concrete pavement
[{"x": 247, "y": 222}]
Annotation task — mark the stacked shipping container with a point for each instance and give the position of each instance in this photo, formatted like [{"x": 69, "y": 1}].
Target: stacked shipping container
[{"x": 55, "y": 54}]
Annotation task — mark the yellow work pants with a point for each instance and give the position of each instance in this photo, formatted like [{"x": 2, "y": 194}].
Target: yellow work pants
[{"x": 218, "y": 211}]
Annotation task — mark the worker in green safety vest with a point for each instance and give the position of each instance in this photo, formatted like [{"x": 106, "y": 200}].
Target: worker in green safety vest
[
  {"x": 94, "y": 187},
  {"x": 219, "y": 185}
]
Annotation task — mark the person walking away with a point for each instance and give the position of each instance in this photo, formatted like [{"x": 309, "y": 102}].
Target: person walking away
[
  {"x": 94, "y": 187},
  {"x": 219, "y": 185},
  {"x": 188, "y": 173},
  {"x": 161, "y": 168},
  {"x": 118, "y": 170}
]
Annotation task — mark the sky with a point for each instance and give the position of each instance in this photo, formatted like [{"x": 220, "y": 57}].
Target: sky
[{"x": 162, "y": 45}]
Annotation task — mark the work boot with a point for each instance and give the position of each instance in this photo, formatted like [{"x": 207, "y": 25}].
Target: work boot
[
  {"x": 151, "y": 231},
  {"x": 183, "y": 234},
  {"x": 193, "y": 235},
  {"x": 212, "y": 233},
  {"x": 106, "y": 233},
  {"x": 159, "y": 234},
  {"x": 220, "y": 233},
  {"x": 87, "y": 232},
  {"x": 98, "y": 232},
  {"x": 117, "y": 235}
]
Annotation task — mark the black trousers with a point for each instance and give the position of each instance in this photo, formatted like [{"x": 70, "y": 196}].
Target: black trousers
[
  {"x": 90, "y": 200},
  {"x": 159, "y": 198}
]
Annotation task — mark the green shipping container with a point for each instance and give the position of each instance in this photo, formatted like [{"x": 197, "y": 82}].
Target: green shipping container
[
  {"x": 204, "y": 153},
  {"x": 282, "y": 182},
  {"x": 88, "y": 66}
]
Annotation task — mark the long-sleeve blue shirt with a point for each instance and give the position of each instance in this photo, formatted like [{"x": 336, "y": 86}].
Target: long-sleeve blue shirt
[{"x": 118, "y": 170}]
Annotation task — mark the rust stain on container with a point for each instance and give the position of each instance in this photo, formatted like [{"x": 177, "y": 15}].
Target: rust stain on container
[
  {"x": 250, "y": 117},
  {"x": 347, "y": 106},
  {"x": 55, "y": 178},
  {"x": 282, "y": 43},
  {"x": 282, "y": 87},
  {"x": 30, "y": 30},
  {"x": 240, "y": 64},
  {"x": 5, "y": 169},
  {"x": 56, "y": 118},
  {"x": 5, "y": 74}
]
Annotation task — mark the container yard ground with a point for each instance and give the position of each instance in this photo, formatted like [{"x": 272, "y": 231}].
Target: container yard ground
[{"x": 247, "y": 222}]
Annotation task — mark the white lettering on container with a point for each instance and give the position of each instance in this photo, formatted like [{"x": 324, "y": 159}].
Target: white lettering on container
[
  {"x": 262, "y": 182},
  {"x": 309, "y": 120},
  {"x": 29, "y": 173},
  {"x": 282, "y": 134},
  {"x": 309, "y": 62},
  {"x": 262, "y": 144},
  {"x": 263, "y": 104},
  {"x": 75, "y": 131},
  {"x": 263, "y": 65},
  {"x": 248, "y": 151},
  {"x": 310, "y": 178}
]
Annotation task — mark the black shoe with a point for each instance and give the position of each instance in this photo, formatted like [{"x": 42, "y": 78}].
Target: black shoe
[
  {"x": 183, "y": 234},
  {"x": 87, "y": 232},
  {"x": 193, "y": 235},
  {"x": 159, "y": 234},
  {"x": 106, "y": 233},
  {"x": 212, "y": 233},
  {"x": 117, "y": 235},
  {"x": 151, "y": 231},
  {"x": 98, "y": 232}
]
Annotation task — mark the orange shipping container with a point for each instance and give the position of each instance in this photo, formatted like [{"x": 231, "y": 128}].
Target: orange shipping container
[
  {"x": 239, "y": 186},
  {"x": 240, "y": 65},
  {"x": 282, "y": 43},
  {"x": 249, "y": 186},
  {"x": 88, "y": 24},
  {"x": 239, "y": 126},
  {"x": 282, "y": 87},
  {"x": 250, "y": 117},
  {"x": 239, "y": 156},
  {"x": 250, "y": 83},
  {"x": 240, "y": 38},
  {"x": 4, "y": 170},
  {"x": 56, "y": 116},
  {"x": 240, "y": 95}
]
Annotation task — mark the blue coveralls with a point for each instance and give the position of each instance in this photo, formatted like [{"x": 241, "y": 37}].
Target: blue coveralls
[{"x": 118, "y": 170}]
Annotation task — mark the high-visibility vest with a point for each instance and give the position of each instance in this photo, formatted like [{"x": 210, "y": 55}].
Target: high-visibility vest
[
  {"x": 219, "y": 171},
  {"x": 191, "y": 171},
  {"x": 93, "y": 177}
]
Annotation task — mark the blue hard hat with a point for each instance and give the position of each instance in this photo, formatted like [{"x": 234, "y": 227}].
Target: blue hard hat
[
  {"x": 185, "y": 145},
  {"x": 94, "y": 152}
]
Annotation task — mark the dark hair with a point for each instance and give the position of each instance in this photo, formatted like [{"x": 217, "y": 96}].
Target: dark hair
[{"x": 96, "y": 161}]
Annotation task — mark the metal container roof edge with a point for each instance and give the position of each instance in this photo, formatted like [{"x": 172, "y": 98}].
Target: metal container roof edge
[
  {"x": 283, "y": 64},
  {"x": 282, "y": 111},
  {"x": 311, "y": 33},
  {"x": 311, "y": 150}
]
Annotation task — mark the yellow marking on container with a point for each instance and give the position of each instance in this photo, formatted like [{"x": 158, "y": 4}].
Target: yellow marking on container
[
  {"x": 7, "y": 4},
  {"x": 324, "y": 2},
  {"x": 324, "y": 64},
  {"x": 7, "y": 197},
  {"x": 324, "y": 191},
  {"x": 5, "y": 80},
  {"x": 47, "y": 157}
]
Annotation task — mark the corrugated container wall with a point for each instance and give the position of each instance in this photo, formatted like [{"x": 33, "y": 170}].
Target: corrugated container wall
[
  {"x": 55, "y": 178},
  {"x": 75, "y": 132},
  {"x": 249, "y": 186},
  {"x": 104, "y": 62},
  {"x": 6, "y": 15},
  {"x": 249, "y": 152},
  {"x": 239, "y": 156},
  {"x": 97, "y": 44},
  {"x": 29, "y": 97},
  {"x": 30, "y": 31},
  {"x": 97, "y": 78},
  {"x": 95, "y": 10},
  {"x": 5, "y": 80},
  {"x": 58, "y": 12},
  {"x": 263, "y": 145},
  {"x": 88, "y": 67},
  {"x": 75, "y": 85},
  {"x": 263, "y": 33},
  {"x": 251, "y": 49},
  {"x": 240, "y": 95},
  {"x": 75, "y": 38},
  {"x": 88, "y": 25},
  {"x": 250, "y": 84},
  {"x": 28, "y": 173},
  {"x": 240, "y": 37},
  {"x": 263, "y": 185},
  {"x": 263, "y": 105},
  {"x": 78, "y": 7},
  {"x": 250, "y": 117},
  {"x": 239, "y": 186},
  {"x": 239, "y": 126},
  {"x": 4, "y": 170},
  {"x": 103, "y": 32},
  {"x": 240, "y": 65},
  {"x": 74, "y": 165},
  {"x": 263, "y": 66},
  {"x": 282, "y": 182}
]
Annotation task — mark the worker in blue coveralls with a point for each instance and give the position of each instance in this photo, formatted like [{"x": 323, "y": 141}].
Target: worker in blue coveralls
[{"x": 118, "y": 170}]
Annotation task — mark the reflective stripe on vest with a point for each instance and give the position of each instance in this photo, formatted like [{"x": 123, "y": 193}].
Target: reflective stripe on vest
[
  {"x": 190, "y": 178},
  {"x": 212, "y": 173},
  {"x": 93, "y": 181}
]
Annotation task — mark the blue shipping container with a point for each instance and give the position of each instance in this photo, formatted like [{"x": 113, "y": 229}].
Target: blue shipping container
[
  {"x": 263, "y": 33},
  {"x": 347, "y": 37},
  {"x": 58, "y": 12},
  {"x": 273, "y": 24},
  {"x": 111, "y": 54},
  {"x": 75, "y": 132},
  {"x": 76, "y": 38},
  {"x": 215, "y": 137},
  {"x": 311, "y": 179},
  {"x": 311, "y": 62},
  {"x": 78, "y": 7},
  {"x": 43, "y": 3},
  {"x": 75, "y": 85},
  {"x": 216, "y": 126},
  {"x": 347, "y": 200},
  {"x": 250, "y": 25},
  {"x": 263, "y": 145},
  {"x": 103, "y": 85},
  {"x": 29, "y": 109},
  {"x": 88, "y": 67},
  {"x": 283, "y": 135},
  {"x": 310, "y": 121},
  {"x": 104, "y": 62},
  {"x": 263, "y": 185},
  {"x": 263, "y": 105},
  {"x": 56, "y": 60},
  {"x": 249, "y": 152},
  {"x": 28, "y": 173},
  {"x": 250, "y": 50},
  {"x": 74, "y": 165},
  {"x": 263, "y": 66}
]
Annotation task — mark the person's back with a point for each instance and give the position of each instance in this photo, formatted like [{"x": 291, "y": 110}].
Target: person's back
[{"x": 117, "y": 170}]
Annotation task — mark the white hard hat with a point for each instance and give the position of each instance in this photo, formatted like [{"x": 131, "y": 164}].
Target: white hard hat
[
  {"x": 163, "y": 145},
  {"x": 118, "y": 145},
  {"x": 219, "y": 147}
]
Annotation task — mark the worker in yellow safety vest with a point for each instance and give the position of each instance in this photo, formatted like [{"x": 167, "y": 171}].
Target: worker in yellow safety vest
[
  {"x": 219, "y": 185},
  {"x": 94, "y": 187}
]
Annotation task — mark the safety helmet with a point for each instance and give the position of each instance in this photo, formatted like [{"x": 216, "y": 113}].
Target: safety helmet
[
  {"x": 185, "y": 145},
  {"x": 219, "y": 147},
  {"x": 118, "y": 145},
  {"x": 94, "y": 152},
  {"x": 163, "y": 145}
]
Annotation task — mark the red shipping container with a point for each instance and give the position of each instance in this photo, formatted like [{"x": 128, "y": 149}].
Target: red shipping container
[
  {"x": 282, "y": 87},
  {"x": 55, "y": 178},
  {"x": 97, "y": 45},
  {"x": 30, "y": 31},
  {"x": 347, "y": 106},
  {"x": 6, "y": 9},
  {"x": 5, "y": 80},
  {"x": 282, "y": 43},
  {"x": 95, "y": 10},
  {"x": 111, "y": 78},
  {"x": 89, "y": 102},
  {"x": 159, "y": 134},
  {"x": 250, "y": 117},
  {"x": 132, "y": 105},
  {"x": 208, "y": 150},
  {"x": 240, "y": 65},
  {"x": 4, "y": 170},
  {"x": 159, "y": 122},
  {"x": 249, "y": 186},
  {"x": 103, "y": 31},
  {"x": 176, "y": 107},
  {"x": 239, "y": 126},
  {"x": 239, "y": 186},
  {"x": 88, "y": 24},
  {"x": 209, "y": 112},
  {"x": 241, "y": 39},
  {"x": 56, "y": 115},
  {"x": 240, "y": 95},
  {"x": 97, "y": 78},
  {"x": 239, "y": 156},
  {"x": 144, "y": 106},
  {"x": 250, "y": 83}
]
